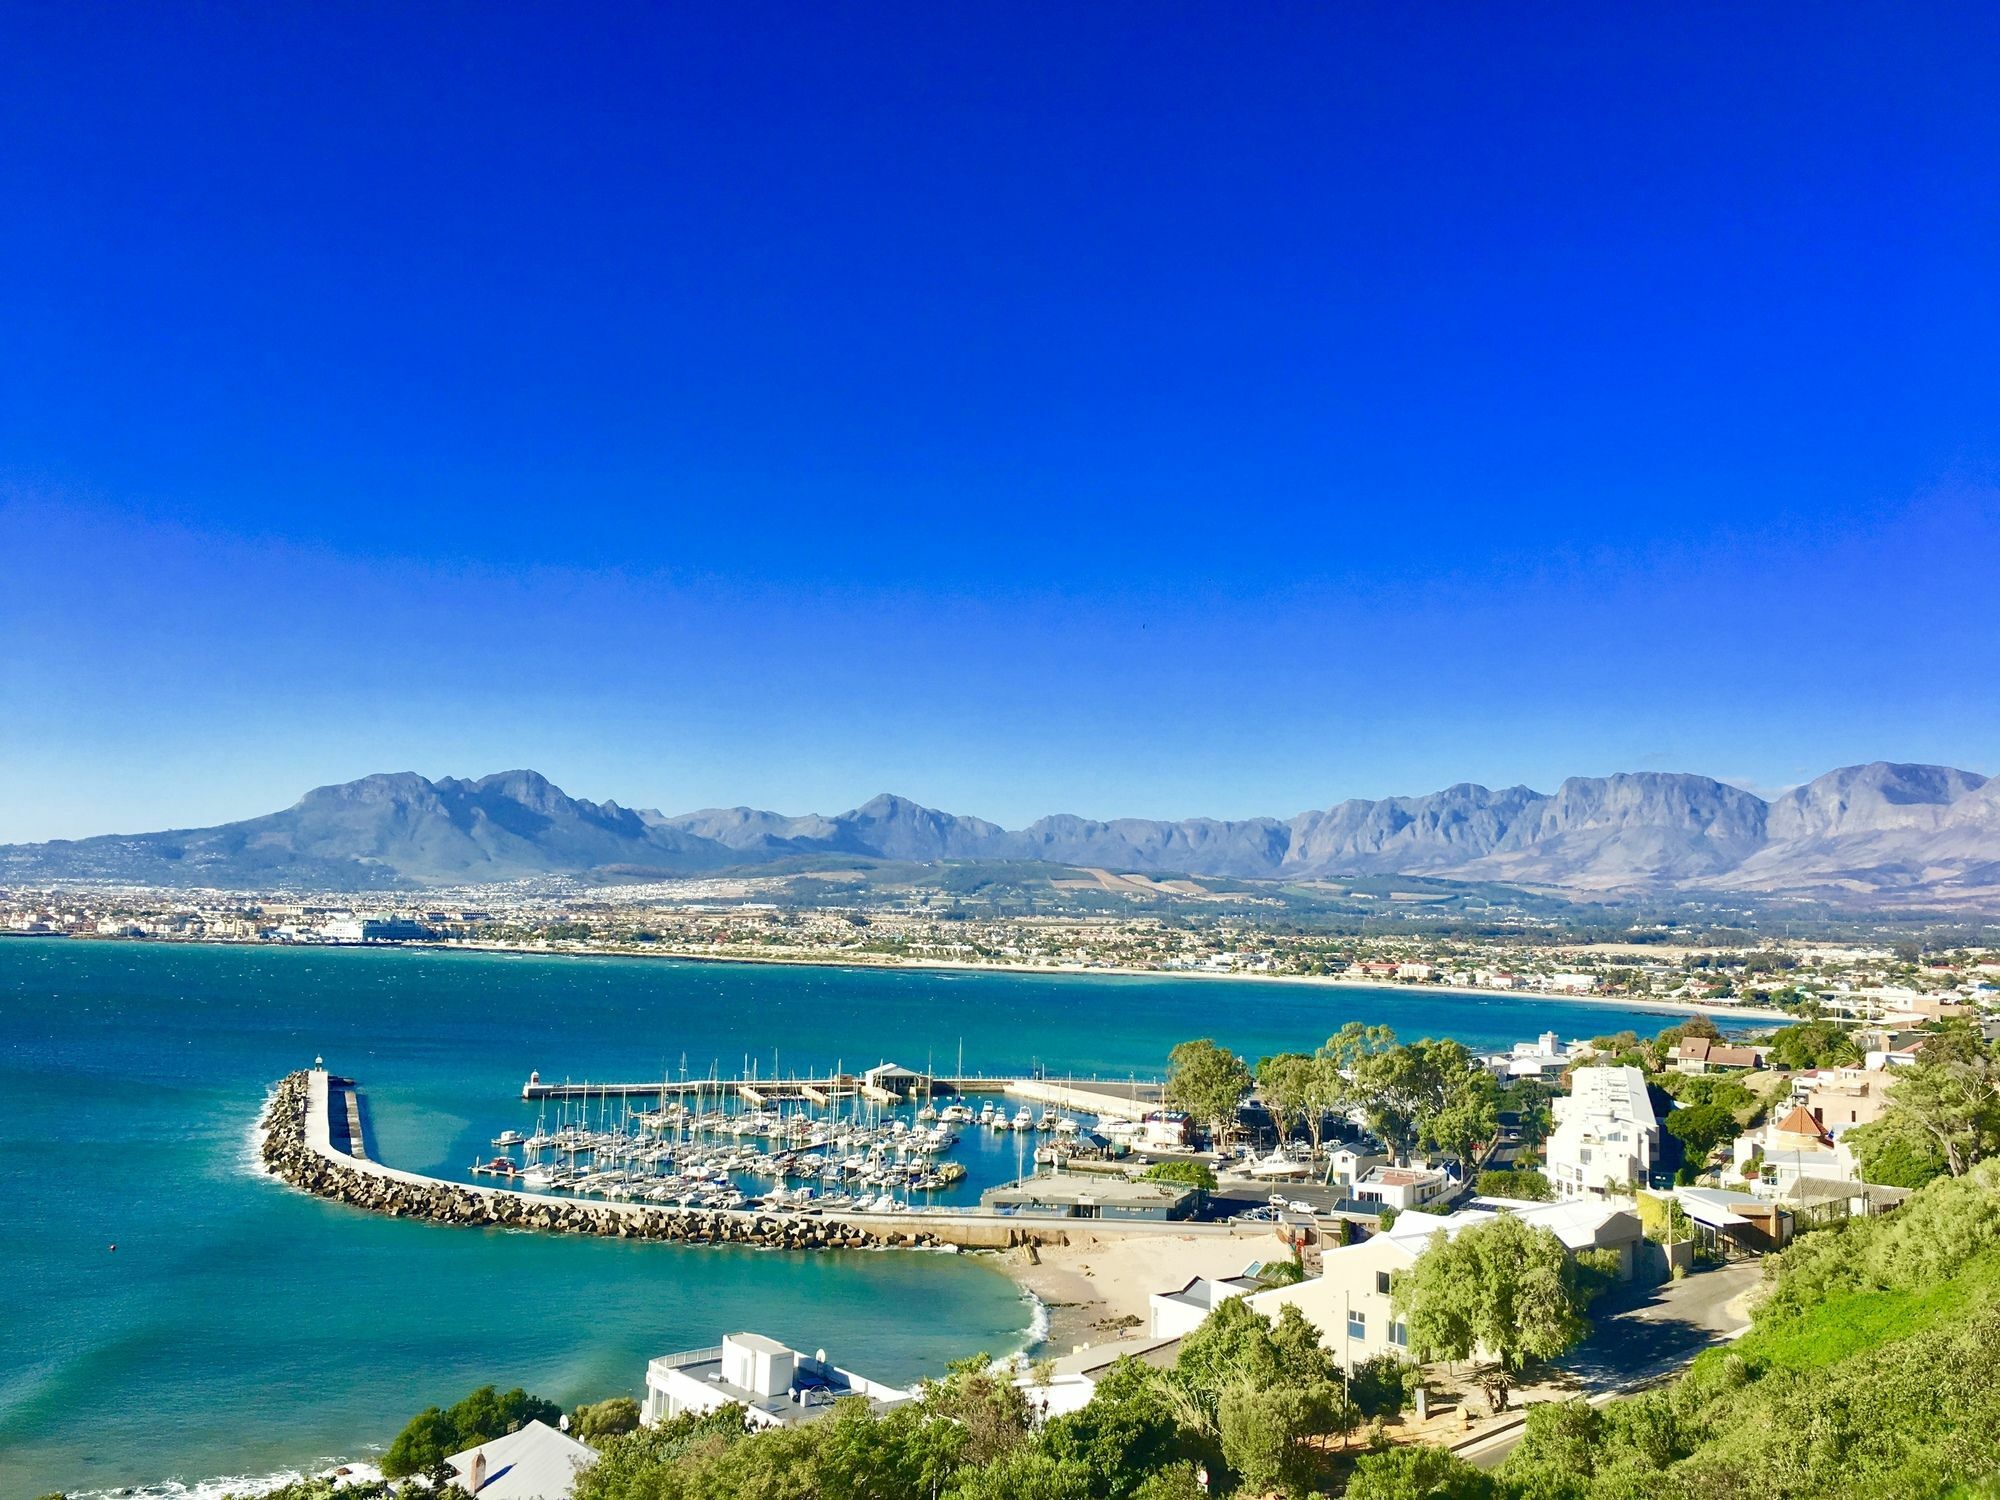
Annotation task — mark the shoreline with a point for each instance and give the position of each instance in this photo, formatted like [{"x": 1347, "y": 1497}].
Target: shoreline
[
  {"x": 1758, "y": 1015},
  {"x": 1649, "y": 1004},
  {"x": 1099, "y": 1289}
]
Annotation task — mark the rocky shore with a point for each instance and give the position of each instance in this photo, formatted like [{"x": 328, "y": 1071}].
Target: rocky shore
[{"x": 289, "y": 1155}]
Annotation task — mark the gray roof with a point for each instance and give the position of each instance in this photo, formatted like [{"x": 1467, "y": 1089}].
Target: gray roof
[
  {"x": 535, "y": 1463},
  {"x": 1092, "y": 1360}
]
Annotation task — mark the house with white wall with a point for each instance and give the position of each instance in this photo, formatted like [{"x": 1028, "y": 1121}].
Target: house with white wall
[
  {"x": 1606, "y": 1137},
  {"x": 1350, "y": 1300},
  {"x": 775, "y": 1385}
]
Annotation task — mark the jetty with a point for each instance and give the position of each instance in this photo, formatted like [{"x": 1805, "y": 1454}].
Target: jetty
[{"x": 885, "y": 1084}]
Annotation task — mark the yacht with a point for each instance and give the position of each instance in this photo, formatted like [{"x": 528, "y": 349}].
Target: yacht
[{"x": 508, "y": 1138}]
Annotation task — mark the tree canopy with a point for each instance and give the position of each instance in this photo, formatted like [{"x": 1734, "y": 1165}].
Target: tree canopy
[
  {"x": 1207, "y": 1081},
  {"x": 435, "y": 1434},
  {"x": 1812, "y": 1044},
  {"x": 1950, "y": 1095},
  {"x": 1505, "y": 1288}
]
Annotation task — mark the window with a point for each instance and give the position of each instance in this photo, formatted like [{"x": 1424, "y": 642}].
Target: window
[
  {"x": 1399, "y": 1335},
  {"x": 1382, "y": 1282},
  {"x": 1357, "y": 1325}
]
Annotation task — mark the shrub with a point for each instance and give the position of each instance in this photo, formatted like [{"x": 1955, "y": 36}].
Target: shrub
[
  {"x": 1520, "y": 1182},
  {"x": 433, "y": 1434},
  {"x": 1194, "y": 1174}
]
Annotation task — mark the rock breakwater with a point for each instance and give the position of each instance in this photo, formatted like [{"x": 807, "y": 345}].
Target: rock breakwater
[{"x": 289, "y": 1153}]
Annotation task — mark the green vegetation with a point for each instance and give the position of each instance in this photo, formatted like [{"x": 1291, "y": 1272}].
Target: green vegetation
[
  {"x": 1433, "y": 1093},
  {"x": 1812, "y": 1044},
  {"x": 1250, "y": 1401},
  {"x": 1504, "y": 1289},
  {"x": 1207, "y": 1081},
  {"x": 1868, "y": 1372},
  {"x": 1194, "y": 1174},
  {"x": 434, "y": 1434},
  {"x": 1700, "y": 1128},
  {"x": 1519, "y": 1182},
  {"x": 1943, "y": 1112},
  {"x": 609, "y": 1418}
]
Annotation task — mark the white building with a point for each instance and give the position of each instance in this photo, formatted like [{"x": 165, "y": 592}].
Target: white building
[
  {"x": 1402, "y": 1187},
  {"x": 1350, "y": 1303},
  {"x": 1180, "y": 1311},
  {"x": 1545, "y": 1057},
  {"x": 1066, "y": 1383},
  {"x": 1606, "y": 1137},
  {"x": 776, "y": 1386},
  {"x": 1793, "y": 1147}
]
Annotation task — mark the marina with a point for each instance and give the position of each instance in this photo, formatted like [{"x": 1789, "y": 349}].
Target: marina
[{"x": 880, "y": 1141}]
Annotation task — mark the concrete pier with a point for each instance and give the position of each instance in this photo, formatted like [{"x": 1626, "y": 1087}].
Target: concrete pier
[{"x": 1120, "y": 1099}]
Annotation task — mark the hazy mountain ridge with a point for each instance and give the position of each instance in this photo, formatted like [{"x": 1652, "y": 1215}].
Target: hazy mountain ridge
[{"x": 1880, "y": 828}]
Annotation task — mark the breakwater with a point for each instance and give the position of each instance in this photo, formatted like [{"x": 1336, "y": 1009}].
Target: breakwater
[{"x": 295, "y": 1149}]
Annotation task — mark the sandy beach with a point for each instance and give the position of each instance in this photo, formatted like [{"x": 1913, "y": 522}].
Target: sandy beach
[{"x": 1096, "y": 1290}]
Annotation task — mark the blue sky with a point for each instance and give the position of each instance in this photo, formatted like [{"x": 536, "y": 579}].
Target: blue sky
[{"x": 1155, "y": 410}]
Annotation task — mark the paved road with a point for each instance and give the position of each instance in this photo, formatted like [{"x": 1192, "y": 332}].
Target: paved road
[{"x": 1637, "y": 1337}]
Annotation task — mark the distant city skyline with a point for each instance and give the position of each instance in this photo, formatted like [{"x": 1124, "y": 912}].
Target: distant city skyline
[{"x": 1022, "y": 412}]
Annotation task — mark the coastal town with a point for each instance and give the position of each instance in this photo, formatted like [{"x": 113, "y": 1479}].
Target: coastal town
[
  {"x": 1864, "y": 972},
  {"x": 1447, "y": 1254}
]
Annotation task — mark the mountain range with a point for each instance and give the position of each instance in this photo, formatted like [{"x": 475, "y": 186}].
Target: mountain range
[{"x": 1882, "y": 831}]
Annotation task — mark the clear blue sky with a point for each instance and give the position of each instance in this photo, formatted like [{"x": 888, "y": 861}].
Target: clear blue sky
[{"x": 1155, "y": 409}]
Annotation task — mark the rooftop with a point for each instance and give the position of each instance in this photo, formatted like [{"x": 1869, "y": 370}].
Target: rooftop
[{"x": 535, "y": 1463}]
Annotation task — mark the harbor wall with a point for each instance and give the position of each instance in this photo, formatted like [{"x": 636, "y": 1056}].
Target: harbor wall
[{"x": 298, "y": 1148}]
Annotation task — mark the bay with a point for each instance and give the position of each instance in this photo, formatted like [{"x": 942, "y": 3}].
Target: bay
[{"x": 241, "y": 1329}]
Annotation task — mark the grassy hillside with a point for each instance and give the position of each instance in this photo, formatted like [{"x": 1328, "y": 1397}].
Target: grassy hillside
[{"x": 1873, "y": 1368}]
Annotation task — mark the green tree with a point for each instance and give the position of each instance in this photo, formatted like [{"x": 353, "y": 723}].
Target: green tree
[
  {"x": 1288, "y": 1084},
  {"x": 1417, "y": 1472},
  {"x": 1896, "y": 1151},
  {"x": 1265, "y": 1432},
  {"x": 993, "y": 1411},
  {"x": 1207, "y": 1081},
  {"x": 1337, "y": 1064},
  {"x": 1812, "y": 1044},
  {"x": 1426, "y": 1090},
  {"x": 610, "y": 1418},
  {"x": 1468, "y": 1117},
  {"x": 1125, "y": 1431},
  {"x": 1195, "y": 1174},
  {"x": 1025, "y": 1474},
  {"x": 426, "y": 1440},
  {"x": 1519, "y": 1182},
  {"x": 1951, "y": 1095},
  {"x": 1505, "y": 1287},
  {"x": 433, "y": 1435},
  {"x": 1700, "y": 1128}
]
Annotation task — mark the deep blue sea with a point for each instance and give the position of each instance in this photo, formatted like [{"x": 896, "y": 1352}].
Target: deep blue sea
[{"x": 243, "y": 1329}]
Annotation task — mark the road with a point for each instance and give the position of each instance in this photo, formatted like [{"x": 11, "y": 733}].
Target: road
[{"x": 1638, "y": 1337}]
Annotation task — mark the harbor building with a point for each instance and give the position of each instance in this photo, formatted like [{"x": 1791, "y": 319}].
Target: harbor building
[
  {"x": 1075, "y": 1196},
  {"x": 775, "y": 1385},
  {"x": 1607, "y": 1137}
]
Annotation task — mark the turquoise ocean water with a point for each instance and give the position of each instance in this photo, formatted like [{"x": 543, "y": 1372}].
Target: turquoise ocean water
[{"x": 243, "y": 1329}]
